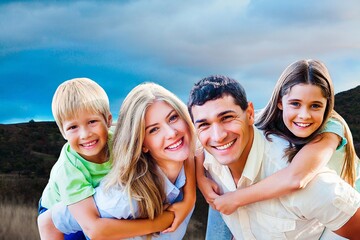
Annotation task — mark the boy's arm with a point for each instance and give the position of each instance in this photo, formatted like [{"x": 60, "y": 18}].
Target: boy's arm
[
  {"x": 86, "y": 214},
  {"x": 208, "y": 187},
  {"x": 305, "y": 165},
  {"x": 47, "y": 229},
  {"x": 183, "y": 208}
]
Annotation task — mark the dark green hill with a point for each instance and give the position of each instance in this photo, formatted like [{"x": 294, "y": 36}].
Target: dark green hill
[
  {"x": 29, "y": 148},
  {"x": 33, "y": 147},
  {"x": 347, "y": 104}
]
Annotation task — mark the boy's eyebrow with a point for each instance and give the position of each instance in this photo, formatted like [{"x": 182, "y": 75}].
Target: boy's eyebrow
[
  {"x": 218, "y": 115},
  {"x": 151, "y": 125}
]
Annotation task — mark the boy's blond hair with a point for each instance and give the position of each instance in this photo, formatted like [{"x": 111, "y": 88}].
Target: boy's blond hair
[{"x": 79, "y": 94}]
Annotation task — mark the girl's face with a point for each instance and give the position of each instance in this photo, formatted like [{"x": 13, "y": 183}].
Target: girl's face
[
  {"x": 167, "y": 136},
  {"x": 303, "y": 109}
]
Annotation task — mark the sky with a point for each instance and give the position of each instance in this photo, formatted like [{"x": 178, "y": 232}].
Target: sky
[{"x": 120, "y": 44}]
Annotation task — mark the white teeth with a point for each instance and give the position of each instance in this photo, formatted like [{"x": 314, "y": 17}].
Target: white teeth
[
  {"x": 175, "y": 145},
  {"x": 89, "y": 144},
  {"x": 303, "y": 124},
  {"x": 223, "y": 147}
]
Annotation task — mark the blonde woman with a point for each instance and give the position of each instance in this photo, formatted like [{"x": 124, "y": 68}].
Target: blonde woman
[{"x": 153, "y": 148}]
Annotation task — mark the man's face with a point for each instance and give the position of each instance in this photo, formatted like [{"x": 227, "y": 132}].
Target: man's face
[{"x": 224, "y": 129}]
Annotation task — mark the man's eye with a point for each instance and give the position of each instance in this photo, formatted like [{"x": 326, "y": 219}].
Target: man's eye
[
  {"x": 228, "y": 117},
  {"x": 202, "y": 125}
]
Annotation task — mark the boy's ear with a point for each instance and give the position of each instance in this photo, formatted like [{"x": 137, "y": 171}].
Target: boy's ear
[{"x": 109, "y": 120}]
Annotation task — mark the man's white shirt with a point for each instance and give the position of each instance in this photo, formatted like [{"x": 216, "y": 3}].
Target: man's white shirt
[{"x": 327, "y": 201}]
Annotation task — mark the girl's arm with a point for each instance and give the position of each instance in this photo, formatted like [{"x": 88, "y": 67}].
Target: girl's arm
[
  {"x": 304, "y": 166},
  {"x": 183, "y": 208},
  {"x": 86, "y": 214},
  {"x": 208, "y": 187}
]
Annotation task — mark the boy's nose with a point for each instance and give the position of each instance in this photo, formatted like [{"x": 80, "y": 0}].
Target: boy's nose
[{"x": 85, "y": 133}]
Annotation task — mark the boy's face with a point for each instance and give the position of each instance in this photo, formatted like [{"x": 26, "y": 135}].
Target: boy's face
[
  {"x": 224, "y": 129},
  {"x": 87, "y": 134}
]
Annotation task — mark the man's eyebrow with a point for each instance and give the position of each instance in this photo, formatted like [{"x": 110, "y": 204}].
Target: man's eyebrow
[{"x": 219, "y": 115}]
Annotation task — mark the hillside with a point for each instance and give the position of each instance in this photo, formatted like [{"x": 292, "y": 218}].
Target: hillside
[
  {"x": 33, "y": 147},
  {"x": 347, "y": 104}
]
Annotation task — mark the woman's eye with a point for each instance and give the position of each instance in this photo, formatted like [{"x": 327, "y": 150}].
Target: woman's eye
[
  {"x": 152, "y": 130},
  {"x": 173, "y": 118}
]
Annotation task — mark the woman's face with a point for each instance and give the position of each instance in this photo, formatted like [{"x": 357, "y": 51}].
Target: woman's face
[{"x": 167, "y": 136}]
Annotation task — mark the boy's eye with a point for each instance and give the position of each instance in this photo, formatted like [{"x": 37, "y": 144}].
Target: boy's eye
[
  {"x": 92, "y": 121},
  {"x": 71, "y": 128}
]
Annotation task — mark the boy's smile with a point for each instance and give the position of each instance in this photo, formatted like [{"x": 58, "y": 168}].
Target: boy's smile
[{"x": 87, "y": 134}]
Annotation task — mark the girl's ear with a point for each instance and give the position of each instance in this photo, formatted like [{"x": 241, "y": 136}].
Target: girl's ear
[{"x": 279, "y": 105}]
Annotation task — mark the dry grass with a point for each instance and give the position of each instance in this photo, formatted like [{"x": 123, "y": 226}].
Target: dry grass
[{"x": 18, "y": 222}]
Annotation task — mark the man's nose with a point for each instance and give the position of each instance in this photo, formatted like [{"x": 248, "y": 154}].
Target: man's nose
[{"x": 218, "y": 133}]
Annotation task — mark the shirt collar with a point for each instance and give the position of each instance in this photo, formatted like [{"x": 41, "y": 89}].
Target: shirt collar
[
  {"x": 255, "y": 158},
  {"x": 173, "y": 189},
  {"x": 253, "y": 163}
]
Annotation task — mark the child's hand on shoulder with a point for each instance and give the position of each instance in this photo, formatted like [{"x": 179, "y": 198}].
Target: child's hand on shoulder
[{"x": 226, "y": 203}]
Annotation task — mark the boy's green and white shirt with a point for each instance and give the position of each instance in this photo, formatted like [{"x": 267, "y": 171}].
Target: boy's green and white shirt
[{"x": 73, "y": 178}]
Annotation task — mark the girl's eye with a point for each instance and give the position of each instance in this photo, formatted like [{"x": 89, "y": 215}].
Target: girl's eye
[
  {"x": 92, "y": 121},
  {"x": 295, "y": 104},
  {"x": 173, "y": 118},
  {"x": 316, "y": 106}
]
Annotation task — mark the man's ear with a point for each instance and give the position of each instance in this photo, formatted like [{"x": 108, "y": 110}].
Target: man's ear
[{"x": 251, "y": 113}]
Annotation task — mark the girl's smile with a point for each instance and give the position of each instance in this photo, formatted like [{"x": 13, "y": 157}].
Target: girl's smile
[{"x": 303, "y": 109}]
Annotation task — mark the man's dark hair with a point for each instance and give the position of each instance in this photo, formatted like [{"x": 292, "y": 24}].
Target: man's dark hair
[{"x": 214, "y": 87}]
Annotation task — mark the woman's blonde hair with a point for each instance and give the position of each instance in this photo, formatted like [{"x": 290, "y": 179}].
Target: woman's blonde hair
[
  {"x": 79, "y": 94},
  {"x": 133, "y": 169},
  {"x": 271, "y": 121}
]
